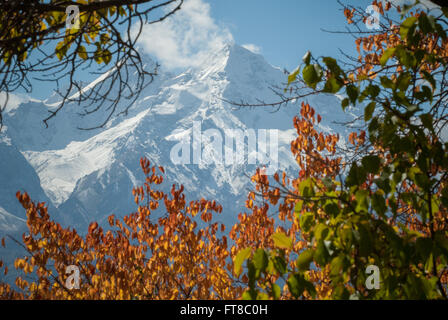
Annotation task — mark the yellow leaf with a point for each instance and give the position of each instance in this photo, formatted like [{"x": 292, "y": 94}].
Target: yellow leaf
[
  {"x": 239, "y": 259},
  {"x": 82, "y": 52},
  {"x": 293, "y": 75},
  {"x": 281, "y": 240}
]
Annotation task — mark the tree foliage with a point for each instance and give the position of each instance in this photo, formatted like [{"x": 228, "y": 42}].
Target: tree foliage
[
  {"x": 383, "y": 201},
  {"x": 388, "y": 206},
  {"x": 136, "y": 258},
  {"x": 36, "y": 42}
]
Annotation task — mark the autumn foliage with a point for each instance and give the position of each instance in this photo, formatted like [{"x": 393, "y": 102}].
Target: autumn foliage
[
  {"x": 386, "y": 203},
  {"x": 182, "y": 255},
  {"x": 136, "y": 258},
  {"x": 380, "y": 199}
]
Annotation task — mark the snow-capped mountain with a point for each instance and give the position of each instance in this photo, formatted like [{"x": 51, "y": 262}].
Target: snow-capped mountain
[
  {"x": 16, "y": 175},
  {"x": 88, "y": 175}
]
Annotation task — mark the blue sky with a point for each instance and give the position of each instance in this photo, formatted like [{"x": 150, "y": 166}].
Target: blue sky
[
  {"x": 286, "y": 29},
  {"x": 281, "y": 30}
]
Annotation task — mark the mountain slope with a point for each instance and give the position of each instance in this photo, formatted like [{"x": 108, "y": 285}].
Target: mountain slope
[
  {"x": 89, "y": 175},
  {"x": 16, "y": 175}
]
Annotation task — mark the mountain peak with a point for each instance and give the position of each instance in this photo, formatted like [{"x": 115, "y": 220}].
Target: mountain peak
[
  {"x": 233, "y": 49},
  {"x": 236, "y": 62},
  {"x": 239, "y": 56},
  {"x": 89, "y": 173}
]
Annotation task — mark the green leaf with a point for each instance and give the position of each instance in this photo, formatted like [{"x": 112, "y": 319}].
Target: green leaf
[
  {"x": 428, "y": 77},
  {"x": 427, "y": 120},
  {"x": 247, "y": 296},
  {"x": 373, "y": 90},
  {"x": 262, "y": 296},
  {"x": 444, "y": 196},
  {"x": 406, "y": 26},
  {"x": 386, "y": 82},
  {"x": 368, "y": 112},
  {"x": 333, "y": 66},
  {"x": 98, "y": 58},
  {"x": 319, "y": 70},
  {"x": 403, "y": 81},
  {"x": 293, "y": 76},
  {"x": 371, "y": 163},
  {"x": 441, "y": 239},
  {"x": 321, "y": 232},
  {"x": 82, "y": 52},
  {"x": 276, "y": 291},
  {"x": 306, "y": 188},
  {"x": 332, "y": 209},
  {"x": 344, "y": 103},
  {"x": 445, "y": 11},
  {"x": 104, "y": 38},
  {"x": 252, "y": 273},
  {"x": 426, "y": 26},
  {"x": 61, "y": 50},
  {"x": 311, "y": 76},
  {"x": 298, "y": 206},
  {"x": 356, "y": 176},
  {"x": 107, "y": 56},
  {"x": 297, "y": 284},
  {"x": 332, "y": 85},
  {"x": 341, "y": 293},
  {"x": 365, "y": 243},
  {"x": 304, "y": 260},
  {"x": 387, "y": 55},
  {"x": 329, "y": 183},
  {"x": 337, "y": 265},
  {"x": 260, "y": 260},
  {"x": 307, "y": 58},
  {"x": 424, "y": 247},
  {"x": 362, "y": 200},
  {"x": 426, "y": 94},
  {"x": 441, "y": 31},
  {"x": 306, "y": 221},
  {"x": 322, "y": 254},
  {"x": 406, "y": 57},
  {"x": 281, "y": 240},
  {"x": 279, "y": 265},
  {"x": 239, "y": 259},
  {"x": 352, "y": 92},
  {"x": 379, "y": 204}
]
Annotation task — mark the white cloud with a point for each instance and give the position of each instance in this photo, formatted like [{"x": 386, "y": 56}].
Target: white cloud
[
  {"x": 14, "y": 100},
  {"x": 186, "y": 38},
  {"x": 252, "y": 47}
]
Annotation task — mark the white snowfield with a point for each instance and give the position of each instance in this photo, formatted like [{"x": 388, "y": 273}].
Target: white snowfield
[
  {"x": 90, "y": 174},
  {"x": 9, "y": 222},
  {"x": 60, "y": 170}
]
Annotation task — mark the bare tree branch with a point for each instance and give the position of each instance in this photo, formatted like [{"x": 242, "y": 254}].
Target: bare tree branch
[{"x": 35, "y": 44}]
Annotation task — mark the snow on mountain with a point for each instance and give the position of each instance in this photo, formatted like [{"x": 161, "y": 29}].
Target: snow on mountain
[
  {"x": 88, "y": 175},
  {"x": 61, "y": 169},
  {"x": 16, "y": 175},
  {"x": 9, "y": 222}
]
